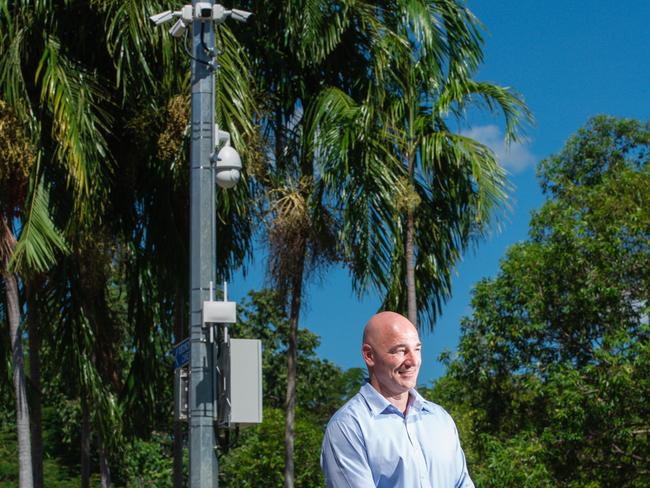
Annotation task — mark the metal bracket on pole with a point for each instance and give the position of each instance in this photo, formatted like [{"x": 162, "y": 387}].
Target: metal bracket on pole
[{"x": 181, "y": 393}]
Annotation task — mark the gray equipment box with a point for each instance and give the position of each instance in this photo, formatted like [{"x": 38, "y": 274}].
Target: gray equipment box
[{"x": 240, "y": 388}]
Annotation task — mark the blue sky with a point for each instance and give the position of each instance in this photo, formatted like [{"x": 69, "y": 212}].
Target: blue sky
[{"x": 570, "y": 60}]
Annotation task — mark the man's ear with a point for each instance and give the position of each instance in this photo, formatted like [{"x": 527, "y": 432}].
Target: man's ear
[{"x": 367, "y": 354}]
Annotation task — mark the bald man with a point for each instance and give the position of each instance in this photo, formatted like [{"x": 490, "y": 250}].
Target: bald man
[{"x": 387, "y": 435}]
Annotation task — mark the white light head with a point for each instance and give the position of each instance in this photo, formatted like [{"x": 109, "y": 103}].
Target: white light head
[
  {"x": 178, "y": 29},
  {"x": 228, "y": 167},
  {"x": 240, "y": 15},
  {"x": 162, "y": 17}
]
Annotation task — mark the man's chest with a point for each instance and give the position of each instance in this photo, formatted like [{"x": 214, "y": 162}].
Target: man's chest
[{"x": 408, "y": 452}]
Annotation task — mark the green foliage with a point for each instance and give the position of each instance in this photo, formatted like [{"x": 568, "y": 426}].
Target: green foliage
[
  {"x": 322, "y": 386},
  {"x": 516, "y": 462},
  {"x": 40, "y": 240},
  {"x": 16, "y": 160},
  {"x": 553, "y": 362},
  {"x": 148, "y": 463},
  {"x": 56, "y": 474},
  {"x": 8, "y": 455},
  {"x": 604, "y": 146},
  {"x": 259, "y": 458},
  {"x": 144, "y": 458},
  {"x": 397, "y": 169}
]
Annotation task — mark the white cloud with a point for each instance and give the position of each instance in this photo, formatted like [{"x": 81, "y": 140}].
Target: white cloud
[{"x": 515, "y": 158}]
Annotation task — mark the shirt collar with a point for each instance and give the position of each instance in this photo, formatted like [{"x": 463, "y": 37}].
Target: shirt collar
[
  {"x": 419, "y": 403},
  {"x": 378, "y": 403}
]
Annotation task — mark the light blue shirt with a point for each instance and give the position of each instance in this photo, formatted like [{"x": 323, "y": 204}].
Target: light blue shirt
[{"x": 370, "y": 443}]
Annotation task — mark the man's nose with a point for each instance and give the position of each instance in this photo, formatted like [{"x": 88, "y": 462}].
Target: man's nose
[{"x": 412, "y": 358}]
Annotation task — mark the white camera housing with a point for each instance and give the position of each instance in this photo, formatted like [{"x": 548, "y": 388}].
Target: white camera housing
[
  {"x": 178, "y": 29},
  {"x": 203, "y": 11},
  {"x": 162, "y": 17},
  {"x": 187, "y": 14},
  {"x": 240, "y": 15},
  {"x": 228, "y": 167}
]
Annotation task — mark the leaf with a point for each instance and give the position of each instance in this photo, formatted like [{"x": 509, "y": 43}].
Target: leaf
[{"x": 39, "y": 239}]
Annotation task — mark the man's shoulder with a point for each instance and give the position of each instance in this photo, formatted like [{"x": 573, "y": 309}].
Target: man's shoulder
[
  {"x": 433, "y": 410},
  {"x": 433, "y": 407},
  {"x": 354, "y": 408}
]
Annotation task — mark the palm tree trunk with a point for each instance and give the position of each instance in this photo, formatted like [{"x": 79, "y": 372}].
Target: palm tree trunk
[
  {"x": 35, "y": 340},
  {"x": 410, "y": 269},
  {"x": 25, "y": 473},
  {"x": 85, "y": 444},
  {"x": 104, "y": 467},
  {"x": 409, "y": 251},
  {"x": 292, "y": 355}
]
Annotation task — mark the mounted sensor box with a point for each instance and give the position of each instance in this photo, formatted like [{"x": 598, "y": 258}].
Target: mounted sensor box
[
  {"x": 219, "y": 312},
  {"x": 240, "y": 385}
]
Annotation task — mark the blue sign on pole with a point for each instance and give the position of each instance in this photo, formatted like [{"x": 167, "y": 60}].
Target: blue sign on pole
[{"x": 182, "y": 354}]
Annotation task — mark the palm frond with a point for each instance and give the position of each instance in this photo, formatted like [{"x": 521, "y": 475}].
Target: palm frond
[
  {"x": 76, "y": 100},
  {"x": 235, "y": 103},
  {"x": 39, "y": 240},
  {"x": 458, "y": 94},
  {"x": 448, "y": 158},
  {"x": 320, "y": 28},
  {"x": 425, "y": 30},
  {"x": 12, "y": 82},
  {"x": 146, "y": 57}
]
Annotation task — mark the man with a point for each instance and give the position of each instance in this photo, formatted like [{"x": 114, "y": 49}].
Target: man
[{"x": 387, "y": 435}]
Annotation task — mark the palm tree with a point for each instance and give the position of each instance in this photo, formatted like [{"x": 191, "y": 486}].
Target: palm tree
[
  {"x": 59, "y": 88},
  {"x": 15, "y": 172},
  {"x": 443, "y": 187},
  {"x": 452, "y": 186},
  {"x": 446, "y": 172},
  {"x": 299, "y": 49},
  {"x": 62, "y": 106},
  {"x": 26, "y": 210}
]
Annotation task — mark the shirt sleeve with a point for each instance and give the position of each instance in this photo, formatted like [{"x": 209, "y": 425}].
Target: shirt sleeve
[
  {"x": 464, "y": 481},
  {"x": 343, "y": 459}
]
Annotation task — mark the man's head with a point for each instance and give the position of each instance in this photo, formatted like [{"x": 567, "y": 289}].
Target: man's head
[{"x": 391, "y": 350}]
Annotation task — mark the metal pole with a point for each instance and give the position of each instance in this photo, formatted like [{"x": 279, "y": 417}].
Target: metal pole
[{"x": 203, "y": 460}]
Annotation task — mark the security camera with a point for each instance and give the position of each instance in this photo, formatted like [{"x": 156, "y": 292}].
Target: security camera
[
  {"x": 219, "y": 13},
  {"x": 203, "y": 11},
  {"x": 178, "y": 29},
  {"x": 228, "y": 167},
  {"x": 240, "y": 15},
  {"x": 162, "y": 17}
]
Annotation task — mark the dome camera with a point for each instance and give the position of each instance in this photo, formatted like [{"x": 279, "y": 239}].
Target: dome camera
[{"x": 228, "y": 167}]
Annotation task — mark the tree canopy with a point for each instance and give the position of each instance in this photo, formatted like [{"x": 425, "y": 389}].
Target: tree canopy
[{"x": 551, "y": 380}]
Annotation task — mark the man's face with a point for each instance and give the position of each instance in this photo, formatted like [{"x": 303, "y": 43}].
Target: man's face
[{"x": 393, "y": 358}]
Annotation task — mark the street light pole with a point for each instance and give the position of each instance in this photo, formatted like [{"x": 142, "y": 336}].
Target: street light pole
[
  {"x": 209, "y": 160},
  {"x": 203, "y": 469}
]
